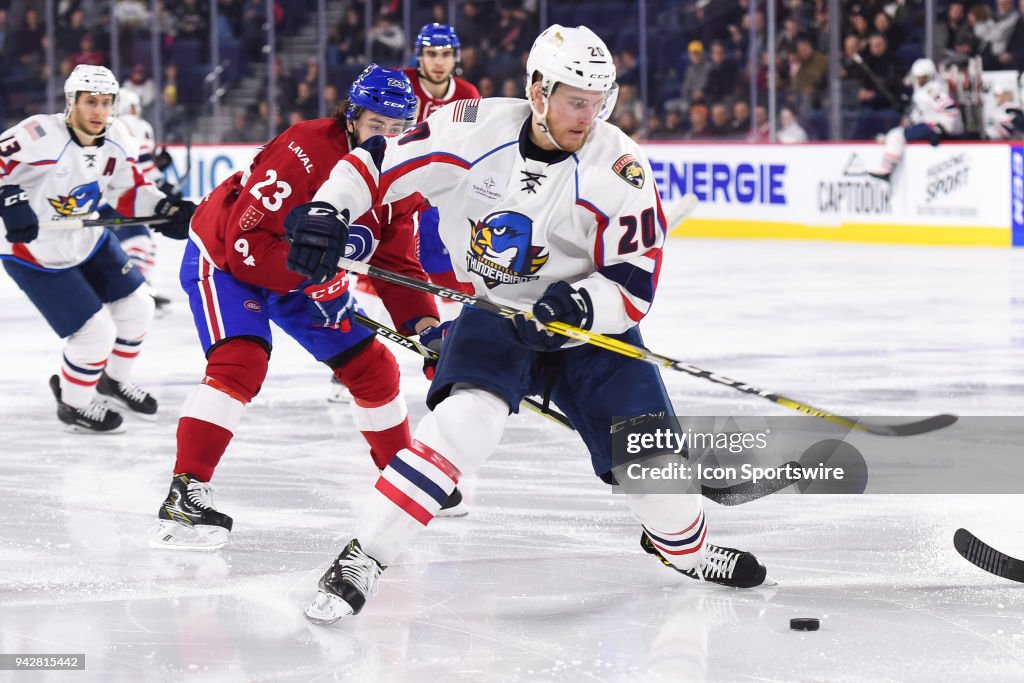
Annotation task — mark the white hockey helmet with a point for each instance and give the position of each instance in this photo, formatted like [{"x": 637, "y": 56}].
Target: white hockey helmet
[
  {"x": 923, "y": 67},
  {"x": 126, "y": 100},
  {"x": 98, "y": 80},
  {"x": 575, "y": 56}
]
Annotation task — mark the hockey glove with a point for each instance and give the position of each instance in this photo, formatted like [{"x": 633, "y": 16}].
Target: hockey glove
[
  {"x": 433, "y": 339},
  {"x": 168, "y": 188},
  {"x": 179, "y": 211},
  {"x": 330, "y": 303},
  {"x": 18, "y": 216},
  {"x": 162, "y": 159},
  {"x": 561, "y": 303},
  {"x": 318, "y": 233}
]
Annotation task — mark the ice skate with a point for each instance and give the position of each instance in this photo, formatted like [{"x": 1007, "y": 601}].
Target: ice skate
[
  {"x": 725, "y": 566},
  {"x": 95, "y": 418},
  {"x": 453, "y": 507},
  {"x": 339, "y": 392},
  {"x": 343, "y": 589},
  {"x": 188, "y": 519},
  {"x": 127, "y": 395}
]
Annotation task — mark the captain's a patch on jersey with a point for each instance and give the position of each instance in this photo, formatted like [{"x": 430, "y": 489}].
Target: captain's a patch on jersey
[{"x": 630, "y": 170}]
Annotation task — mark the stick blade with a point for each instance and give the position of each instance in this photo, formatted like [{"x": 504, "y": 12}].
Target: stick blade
[
  {"x": 924, "y": 426},
  {"x": 984, "y": 556},
  {"x": 748, "y": 491}
]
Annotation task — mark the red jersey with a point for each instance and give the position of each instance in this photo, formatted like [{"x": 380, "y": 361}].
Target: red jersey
[
  {"x": 239, "y": 226},
  {"x": 458, "y": 89}
]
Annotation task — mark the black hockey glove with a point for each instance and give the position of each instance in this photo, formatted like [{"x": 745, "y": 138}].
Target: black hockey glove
[
  {"x": 168, "y": 188},
  {"x": 561, "y": 303},
  {"x": 162, "y": 159},
  {"x": 318, "y": 233},
  {"x": 179, "y": 211},
  {"x": 433, "y": 339},
  {"x": 18, "y": 217}
]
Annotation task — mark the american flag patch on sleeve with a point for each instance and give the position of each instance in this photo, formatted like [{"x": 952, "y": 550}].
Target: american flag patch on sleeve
[
  {"x": 465, "y": 111},
  {"x": 35, "y": 130}
]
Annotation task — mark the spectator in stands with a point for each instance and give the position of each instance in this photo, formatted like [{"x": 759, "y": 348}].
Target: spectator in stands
[
  {"x": 739, "y": 127},
  {"x": 305, "y": 103},
  {"x": 860, "y": 28},
  {"x": 470, "y": 67},
  {"x": 512, "y": 87},
  {"x": 1013, "y": 57},
  {"x": 723, "y": 75},
  {"x": 696, "y": 75},
  {"x": 789, "y": 130},
  {"x": 979, "y": 17},
  {"x": 331, "y": 99},
  {"x": 672, "y": 128},
  {"x": 762, "y": 129},
  {"x": 947, "y": 32},
  {"x": 254, "y": 14},
  {"x": 191, "y": 22},
  {"x": 71, "y": 35},
  {"x": 785, "y": 42},
  {"x": 87, "y": 53},
  {"x": 171, "y": 84},
  {"x": 699, "y": 129},
  {"x": 142, "y": 85},
  {"x": 28, "y": 39},
  {"x": 1006, "y": 20},
  {"x": 808, "y": 82},
  {"x": 884, "y": 25},
  {"x": 243, "y": 130},
  {"x": 487, "y": 87},
  {"x": 626, "y": 68},
  {"x": 5, "y": 36},
  {"x": 387, "y": 41},
  {"x": 720, "y": 120},
  {"x": 349, "y": 36},
  {"x": 879, "y": 76}
]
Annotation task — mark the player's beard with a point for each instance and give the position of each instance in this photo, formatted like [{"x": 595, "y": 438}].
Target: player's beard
[{"x": 425, "y": 75}]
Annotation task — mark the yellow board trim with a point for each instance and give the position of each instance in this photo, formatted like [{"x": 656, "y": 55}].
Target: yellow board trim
[{"x": 846, "y": 232}]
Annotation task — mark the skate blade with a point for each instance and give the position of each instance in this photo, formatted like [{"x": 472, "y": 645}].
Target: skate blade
[
  {"x": 327, "y": 609},
  {"x": 174, "y": 536},
  {"x": 459, "y": 510},
  {"x": 124, "y": 409},
  {"x": 76, "y": 429},
  {"x": 340, "y": 397},
  {"x": 768, "y": 583}
]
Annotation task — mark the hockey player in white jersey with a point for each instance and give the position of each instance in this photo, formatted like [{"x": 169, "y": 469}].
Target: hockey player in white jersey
[
  {"x": 933, "y": 116},
  {"x": 137, "y": 240},
  {"x": 1007, "y": 121},
  {"x": 544, "y": 206},
  {"x": 60, "y": 168}
]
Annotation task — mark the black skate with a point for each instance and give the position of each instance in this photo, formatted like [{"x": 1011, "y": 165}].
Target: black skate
[
  {"x": 127, "y": 395},
  {"x": 453, "y": 507},
  {"x": 346, "y": 584},
  {"x": 96, "y": 418},
  {"x": 188, "y": 519},
  {"x": 725, "y": 566}
]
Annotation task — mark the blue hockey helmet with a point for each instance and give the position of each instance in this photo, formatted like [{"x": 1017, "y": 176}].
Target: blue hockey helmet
[
  {"x": 437, "y": 35},
  {"x": 387, "y": 92}
]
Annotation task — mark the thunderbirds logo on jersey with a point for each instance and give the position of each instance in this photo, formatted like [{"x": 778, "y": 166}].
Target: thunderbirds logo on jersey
[
  {"x": 630, "y": 170},
  {"x": 502, "y": 250},
  {"x": 361, "y": 244},
  {"x": 83, "y": 199}
]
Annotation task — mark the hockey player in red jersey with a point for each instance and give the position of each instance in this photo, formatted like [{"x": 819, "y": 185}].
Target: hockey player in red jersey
[
  {"x": 234, "y": 271},
  {"x": 435, "y": 84}
]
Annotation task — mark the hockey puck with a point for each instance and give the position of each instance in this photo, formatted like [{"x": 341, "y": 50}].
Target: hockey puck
[{"x": 804, "y": 624}]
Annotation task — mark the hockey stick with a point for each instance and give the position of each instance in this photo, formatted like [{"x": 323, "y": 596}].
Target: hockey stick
[
  {"x": 682, "y": 210},
  {"x": 626, "y": 349},
  {"x": 392, "y": 335},
  {"x": 986, "y": 557},
  {"x": 75, "y": 223},
  {"x": 737, "y": 494}
]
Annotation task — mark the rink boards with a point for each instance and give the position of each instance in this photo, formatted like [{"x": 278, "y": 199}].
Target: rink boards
[{"x": 953, "y": 194}]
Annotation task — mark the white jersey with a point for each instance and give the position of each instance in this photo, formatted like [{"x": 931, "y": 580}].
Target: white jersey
[
  {"x": 65, "y": 180},
  {"x": 1002, "y": 124},
  {"x": 514, "y": 225},
  {"x": 144, "y": 136},
  {"x": 932, "y": 105}
]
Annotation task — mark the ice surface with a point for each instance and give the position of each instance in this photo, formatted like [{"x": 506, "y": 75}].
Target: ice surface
[{"x": 545, "y": 580}]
